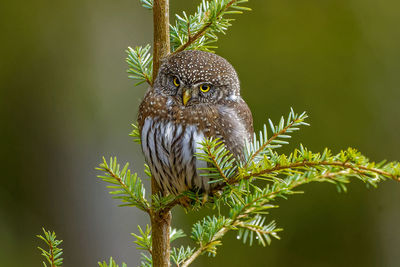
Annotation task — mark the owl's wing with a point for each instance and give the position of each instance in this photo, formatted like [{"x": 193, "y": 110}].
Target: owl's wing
[
  {"x": 244, "y": 113},
  {"x": 235, "y": 125}
]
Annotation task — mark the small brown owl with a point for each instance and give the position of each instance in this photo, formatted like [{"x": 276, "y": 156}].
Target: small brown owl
[{"x": 195, "y": 95}]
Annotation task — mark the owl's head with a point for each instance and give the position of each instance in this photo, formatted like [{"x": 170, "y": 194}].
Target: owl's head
[{"x": 194, "y": 77}]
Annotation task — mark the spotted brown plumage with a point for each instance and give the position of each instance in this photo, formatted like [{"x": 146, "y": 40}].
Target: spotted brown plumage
[{"x": 195, "y": 95}]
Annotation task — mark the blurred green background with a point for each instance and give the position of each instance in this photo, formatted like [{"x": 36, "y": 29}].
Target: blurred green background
[{"x": 66, "y": 101}]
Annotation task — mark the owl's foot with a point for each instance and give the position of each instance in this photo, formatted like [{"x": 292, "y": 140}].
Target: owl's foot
[{"x": 185, "y": 202}]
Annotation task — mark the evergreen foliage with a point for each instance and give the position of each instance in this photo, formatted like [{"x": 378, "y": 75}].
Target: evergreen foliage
[
  {"x": 246, "y": 189},
  {"x": 249, "y": 188},
  {"x": 195, "y": 32},
  {"x": 147, "y": 3},
  {"x": 199, "y": 31},
  {"x": 111, "y": 263},
  {"x": 53, "y": 255},
  {"x": 140, "y": 63},
  {"x": 126, "y": 186},
  {"x": 179, "y": 255}
]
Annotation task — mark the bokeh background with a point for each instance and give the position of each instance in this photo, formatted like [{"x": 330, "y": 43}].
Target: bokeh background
[{"x": 66, "y": 101}]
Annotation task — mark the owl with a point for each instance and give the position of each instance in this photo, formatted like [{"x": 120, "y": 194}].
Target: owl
[{"x": 195, "y": 95}]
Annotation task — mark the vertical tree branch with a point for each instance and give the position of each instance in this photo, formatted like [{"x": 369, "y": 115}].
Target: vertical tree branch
[
  {"x": 161, "y": 47},
  {"x": 161, "y": 223},
  {"x": 160, "y": 220}
]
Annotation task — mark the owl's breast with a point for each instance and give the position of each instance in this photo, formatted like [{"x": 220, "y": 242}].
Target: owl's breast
[
  {"x": 169, "y": 149},
  {"x": 167, "y": 108}
]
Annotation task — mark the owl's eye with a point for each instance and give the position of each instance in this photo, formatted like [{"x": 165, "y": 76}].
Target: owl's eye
[
  {"x": 205, "y": 88},
  {"x": 176, "y": 81}
]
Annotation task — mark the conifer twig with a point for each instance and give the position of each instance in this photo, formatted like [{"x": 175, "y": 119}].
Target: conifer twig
[
  {"x": 356, "y": 168},
  {"x": 140, "y": 62},
  {"x": 215, "y": 162},
  {"x": 125, "y": 186},
  {"x": 53, "y": 255},
  {"x": 202, "y": 249},
  {"x": 202, "y": 31},
  {"x": 272, "y": 138}
]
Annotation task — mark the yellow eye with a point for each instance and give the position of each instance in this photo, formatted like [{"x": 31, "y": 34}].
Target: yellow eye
[
  {"x": 205, "y": 88},
  {"x": 177, "y": 82}
]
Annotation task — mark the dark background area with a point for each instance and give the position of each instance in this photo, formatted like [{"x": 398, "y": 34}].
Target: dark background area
[{"x": 66, "y": 101}]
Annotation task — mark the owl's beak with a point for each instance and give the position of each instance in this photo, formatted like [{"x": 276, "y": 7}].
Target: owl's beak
[{"x": 186, "y": 96}]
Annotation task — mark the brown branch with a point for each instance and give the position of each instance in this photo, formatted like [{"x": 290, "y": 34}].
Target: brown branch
[
  {"x": 192, "y": 39},
  {"x": 192, "y": 257},
  {"x": 201, "y": 249},
  {"x": 161, "y": 47},
  {"x": 173, "y": 203},
  {"x": 52, "y": 254},
  {"x": 160, "y": 235},
  {"x": 202, "y": 31},
  {"x": 359, "y": 169},
  {"x": 148, "y": 80},
  {"x": 392, "y": 176},
  {"x": 160, "y": 220}
]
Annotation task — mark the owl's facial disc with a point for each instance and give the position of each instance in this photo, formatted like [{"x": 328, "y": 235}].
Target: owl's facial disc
[{"x": 196, "y": 77}]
